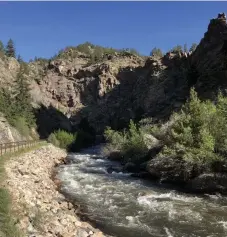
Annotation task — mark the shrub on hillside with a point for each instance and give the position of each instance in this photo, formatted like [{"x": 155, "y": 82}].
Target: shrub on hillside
[{"x": 20, "y": 123}]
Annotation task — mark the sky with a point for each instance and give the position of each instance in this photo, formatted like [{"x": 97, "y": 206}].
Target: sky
[{"x": 43, "y": 28}]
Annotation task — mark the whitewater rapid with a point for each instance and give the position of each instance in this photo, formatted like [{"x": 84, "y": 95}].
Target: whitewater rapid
[{"x": 124, "y": 206}]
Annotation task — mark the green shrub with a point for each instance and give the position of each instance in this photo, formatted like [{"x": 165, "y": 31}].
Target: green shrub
[
  {"x": 52, "y": 139},
  {"x": 199, "y": 131},
  {"x": 62, "y": 138},
  {"x": 15, "y": 103},
  {"x": 130, "y": 143},
  {"x": 20, "y": 123}
]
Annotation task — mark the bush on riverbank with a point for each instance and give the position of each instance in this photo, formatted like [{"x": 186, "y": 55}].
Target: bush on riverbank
[
  {"x": 130, "y": 143},
  {"x": 62, "y": 139},
  {"x": 198, "y": 133},
  {"x": 71, "y": 142}
]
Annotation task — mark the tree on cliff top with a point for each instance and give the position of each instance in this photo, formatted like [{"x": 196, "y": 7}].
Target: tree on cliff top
[
  {"x": 156, "y": 52},
  {"x": 10, "y": 49},
  {"x": 193, "y": 47}
]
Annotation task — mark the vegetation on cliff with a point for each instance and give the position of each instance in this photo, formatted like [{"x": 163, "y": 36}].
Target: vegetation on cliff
[
  {"x": 15, "y": 103},
  {"x": 198, "y": 134}
]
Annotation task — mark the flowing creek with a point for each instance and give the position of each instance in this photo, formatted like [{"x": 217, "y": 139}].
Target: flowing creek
[{"x": 124, "y": 206}]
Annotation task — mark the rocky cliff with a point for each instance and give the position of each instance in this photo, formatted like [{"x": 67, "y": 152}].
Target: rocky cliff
[{"x": 121, "y": 86}]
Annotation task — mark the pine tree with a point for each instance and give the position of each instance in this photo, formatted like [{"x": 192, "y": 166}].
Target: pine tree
[
  {"x": 10, "y": 49},
  {"x": 156, "y": 52},
  {"x": 177, "y": 49},
  {"x": 185, "y": 48},
  {"x": 193, "y": 47},
  {"x": 22, "y": 96},
  {"x": 19, "y": 59}
]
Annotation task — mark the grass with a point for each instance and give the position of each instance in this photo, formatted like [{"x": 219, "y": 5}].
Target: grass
[{"x": 8, "y": 226}]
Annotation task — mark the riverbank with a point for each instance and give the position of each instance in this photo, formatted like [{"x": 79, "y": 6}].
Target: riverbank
[{"x": 41, "y": 210}]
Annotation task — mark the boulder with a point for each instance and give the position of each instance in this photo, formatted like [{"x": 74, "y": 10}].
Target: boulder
[
  {"x": 131, "y": 167},
  {"x": 151, "y": 141},
  {"x": 171, "y": 169},
  {"x": 115, "y": 155},
  {"x": 112, "y": 169},
  {"x": 209, "y": 183}
]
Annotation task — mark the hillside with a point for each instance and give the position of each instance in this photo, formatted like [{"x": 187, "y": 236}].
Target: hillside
[{"x": 109, "y": 87}]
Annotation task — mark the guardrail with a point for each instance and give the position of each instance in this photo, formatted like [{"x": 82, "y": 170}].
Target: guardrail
[{"x": 16, "y": 146}]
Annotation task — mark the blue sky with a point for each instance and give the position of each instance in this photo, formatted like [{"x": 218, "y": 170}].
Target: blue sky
[{"x": 43, "y": 28}]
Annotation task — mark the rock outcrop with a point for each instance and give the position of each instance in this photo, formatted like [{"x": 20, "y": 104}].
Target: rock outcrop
[
  {"x": 123, "y": 86},
  {"x": 42, "y": 210},
  {"x": 9, "y": 133}
]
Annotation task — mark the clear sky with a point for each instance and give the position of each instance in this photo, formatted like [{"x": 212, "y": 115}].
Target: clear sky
[{"x": 43, "y": 28}]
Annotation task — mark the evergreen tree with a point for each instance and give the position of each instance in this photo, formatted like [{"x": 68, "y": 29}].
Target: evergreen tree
[
  {"x": 185, "y": 48},
  {"x": 156, "y": 52},
  {"x": 177, "y": 49},
  {"x": 10, "y": 49},
  {"x": 22, "y": 96},
  {"x": 193, "y": 47},
  {"x": 19, "y": 59}
]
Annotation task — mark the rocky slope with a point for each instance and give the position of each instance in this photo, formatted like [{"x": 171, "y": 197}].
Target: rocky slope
[
  {"x": 42, "y": 210},
  {"x": 123, "y": 85},
  {"x": 9, "y": 133}
]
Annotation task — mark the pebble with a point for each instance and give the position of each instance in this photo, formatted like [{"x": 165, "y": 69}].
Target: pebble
[{"x": 30, "y": 184}]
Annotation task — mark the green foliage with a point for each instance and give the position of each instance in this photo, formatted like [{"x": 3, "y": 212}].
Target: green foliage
[
  {"x": 7, "y": 226},
  {"x": 156, "y": 52},
  {"x": 130, "y": 143},
  {"x": 129, "y": 51},
  {"x": 15, "y": 104},
  {"x": 96, "y": 53},
  {"x": 10, "y": 49},
  {"x": 62, "y": 138},
  {"x": 177, "y": 49},
  {"x": 53, "y": 139},
  {"x": 185, "y": 48},
  {"x": 193, "y": 47},
  {"x": 21, "y": 124},
  {"x": 199, "y": 131},
  {"x": 22, "y": 97},
  {"x": 85, "y": 48},
  {"x": 19, "y": 59}
]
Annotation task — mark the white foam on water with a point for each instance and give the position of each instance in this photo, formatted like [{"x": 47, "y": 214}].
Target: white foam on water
[
  {"x": 113, "y": 198},
  {"x": 168, "y": 232},
  {"x": 224, "y": 224},
  {"x": 121, "y": 174},
  {"x": 171, "y": 196}
]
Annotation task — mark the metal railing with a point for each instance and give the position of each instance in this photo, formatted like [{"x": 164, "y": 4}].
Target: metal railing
[{"x": 9, "y": 147}]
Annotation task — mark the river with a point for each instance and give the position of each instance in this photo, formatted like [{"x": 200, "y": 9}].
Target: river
[{"x": 124, "y": 206}]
